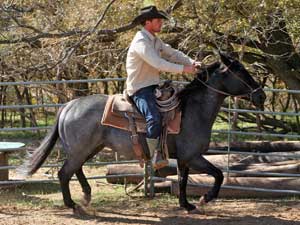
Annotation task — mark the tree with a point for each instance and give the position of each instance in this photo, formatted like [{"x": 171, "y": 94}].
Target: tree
[
  {"x": 45, "y": 40},
  {"x": 264, "y": 33}
]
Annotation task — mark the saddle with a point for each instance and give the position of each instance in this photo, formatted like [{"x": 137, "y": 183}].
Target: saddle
[
  {"x": 118, "y": 109},
  {"x": 120, "y": 112}
]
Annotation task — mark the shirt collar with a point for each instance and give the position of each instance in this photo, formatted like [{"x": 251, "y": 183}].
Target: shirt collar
[{"x": 149, "y": 35}]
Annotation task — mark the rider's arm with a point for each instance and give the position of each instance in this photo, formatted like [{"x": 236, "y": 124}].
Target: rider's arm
[
  {"x": 147, "y": 52},
  {"x": 174, "y": 55}
]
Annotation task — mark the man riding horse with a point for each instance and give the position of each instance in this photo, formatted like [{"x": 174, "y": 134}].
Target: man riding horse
[
  {"x": 82, "y": 136},
  {"x": 146, "y": 57}
]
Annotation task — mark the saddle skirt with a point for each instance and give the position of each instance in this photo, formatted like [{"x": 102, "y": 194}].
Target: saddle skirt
[{"x": 116, "y": 109}]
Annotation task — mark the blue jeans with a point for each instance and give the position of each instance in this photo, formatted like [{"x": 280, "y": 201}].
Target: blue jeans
[{"x": 145, "y": 101}]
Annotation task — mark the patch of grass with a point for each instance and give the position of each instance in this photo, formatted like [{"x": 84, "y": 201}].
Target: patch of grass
[
  {"x": 26, "y": 195},
  {"x": 17, "y": 135},
  {"x": 250, "y": 127},
  {"x": 115, "y": 197},
  {"x": 15, "y": 160}
]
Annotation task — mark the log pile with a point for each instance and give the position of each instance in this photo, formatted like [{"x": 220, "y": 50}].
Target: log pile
[
  {"x": 250, "y": 173},
  {"x": 281, "y": 183},
  {"x": 252, "y": 169}
]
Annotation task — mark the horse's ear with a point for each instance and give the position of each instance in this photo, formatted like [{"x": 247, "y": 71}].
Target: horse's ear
[{"x": 225, "y": 59}]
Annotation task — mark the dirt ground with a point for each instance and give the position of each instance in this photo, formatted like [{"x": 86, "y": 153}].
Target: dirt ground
[
  {"x": 110, "y": 205},
  {"x": 41, "y": 204},
  {"x": 222, "y": 212}
]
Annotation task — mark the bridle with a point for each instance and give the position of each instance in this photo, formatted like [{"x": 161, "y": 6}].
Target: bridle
[{"x": 227, "y": 69}]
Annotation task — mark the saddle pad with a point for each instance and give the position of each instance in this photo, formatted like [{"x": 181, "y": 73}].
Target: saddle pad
[{"x": 114, "y": 118}]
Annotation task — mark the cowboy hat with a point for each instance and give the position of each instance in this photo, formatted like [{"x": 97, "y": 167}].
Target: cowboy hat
[{"x": 149, "y": 12}]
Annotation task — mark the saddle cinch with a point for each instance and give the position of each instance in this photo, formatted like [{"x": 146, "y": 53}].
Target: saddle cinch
[{"x": 121, "y": 113}]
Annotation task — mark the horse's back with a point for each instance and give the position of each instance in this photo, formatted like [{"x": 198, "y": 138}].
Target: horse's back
[
  {"x": 88, "y": 104},
  {"x": 79, "y": 120}
]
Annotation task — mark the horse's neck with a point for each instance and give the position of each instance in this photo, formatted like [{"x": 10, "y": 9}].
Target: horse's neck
[{"x": 205, "y": 106}]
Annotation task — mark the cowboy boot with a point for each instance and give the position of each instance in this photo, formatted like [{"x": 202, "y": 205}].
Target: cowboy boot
[{"x": 157, "y": 160}]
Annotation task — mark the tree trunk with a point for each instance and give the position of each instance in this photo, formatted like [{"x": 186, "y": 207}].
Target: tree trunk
[
  {"x": 286, "y": 73},
  {"x": 3, "y": 102},
  {"x": 81, "y": 89},
  {"x": 281, "y": 55},
  {"x": 29, "y": 102},
  {"x": 61, "y": 96},
  {"x": 20, "y": 102}
]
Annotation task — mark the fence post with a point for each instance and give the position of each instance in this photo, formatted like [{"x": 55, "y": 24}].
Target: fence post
[{"x": 229, "y": 137}]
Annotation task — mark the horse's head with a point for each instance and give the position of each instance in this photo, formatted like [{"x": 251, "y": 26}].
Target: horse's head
[{"x": 232, "y": 79}]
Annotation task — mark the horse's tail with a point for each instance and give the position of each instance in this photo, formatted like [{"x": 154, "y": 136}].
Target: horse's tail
[{"x": 37, "y": 158}]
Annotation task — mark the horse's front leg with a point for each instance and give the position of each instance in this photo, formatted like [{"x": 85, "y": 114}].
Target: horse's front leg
[
  {"x": 199, "y": 163},
  {"x": 183, "y": 173}
]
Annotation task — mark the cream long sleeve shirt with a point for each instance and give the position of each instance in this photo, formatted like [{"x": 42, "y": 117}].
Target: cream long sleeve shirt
[{"x": 147, "y": 56}]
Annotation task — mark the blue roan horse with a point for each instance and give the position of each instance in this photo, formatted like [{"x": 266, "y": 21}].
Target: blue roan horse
[{"x": 79, "y": 129}]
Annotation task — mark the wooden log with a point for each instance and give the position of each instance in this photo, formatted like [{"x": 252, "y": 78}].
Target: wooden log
[
  {"x": 218, "y": 160},
  {"x": 221, "y": 160},
  {"x": 263, "y": 164},
  {"x": 255, "y": 182},
  {"x": 124, "y": 169},
  {"x": 240, "y": 162},
  {"x": 134, "y": 169},
  {"x": 289, "y": 166},
  {"x": 269, "y": 157},
  {"x": 291, "y": 169},
  {"x": 163, "y": 187},
  {"x": 259, "y": 146}
]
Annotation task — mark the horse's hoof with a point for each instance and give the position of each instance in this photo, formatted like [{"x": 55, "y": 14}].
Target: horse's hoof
[
  {"x": 194, "y": 211},
  {"x": 79, "y": 211},
  {"x": 91, "y": 211},
  {"x": 188, "y": 207},
  {"x": 202, "y": 201},
  {"x": 86, "y": 200}
]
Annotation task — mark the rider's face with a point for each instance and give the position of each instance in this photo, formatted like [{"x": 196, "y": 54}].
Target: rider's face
[{"x": 154, "y": 25}]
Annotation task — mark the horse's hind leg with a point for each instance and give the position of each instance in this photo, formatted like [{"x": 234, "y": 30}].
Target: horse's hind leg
[
  {"x": 202, "y": 165},
  {"x": 65, "y": 174},
  {"x": 86, "y": 188}
]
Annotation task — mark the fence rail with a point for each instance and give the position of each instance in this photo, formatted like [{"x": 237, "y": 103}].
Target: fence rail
[{"x": 60, "y": 82}]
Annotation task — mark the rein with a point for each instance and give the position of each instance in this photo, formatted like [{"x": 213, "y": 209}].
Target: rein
[{"x": 252, "y": 91}]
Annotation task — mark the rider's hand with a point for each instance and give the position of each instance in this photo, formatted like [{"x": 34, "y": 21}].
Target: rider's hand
[
  {"x": 192, "y": 68},
  {"x": 197, "y": 64},
  {"x": 189, "y": 69}
]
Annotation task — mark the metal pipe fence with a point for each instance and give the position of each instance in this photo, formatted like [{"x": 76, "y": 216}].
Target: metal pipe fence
[{"x": 229, "y": 132}]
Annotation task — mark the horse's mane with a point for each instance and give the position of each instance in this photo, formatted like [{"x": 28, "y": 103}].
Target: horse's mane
[{"x": 203, "y": 74}]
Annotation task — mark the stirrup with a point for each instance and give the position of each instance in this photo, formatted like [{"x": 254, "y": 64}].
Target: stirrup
[{"x": 158, "y": 162}]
